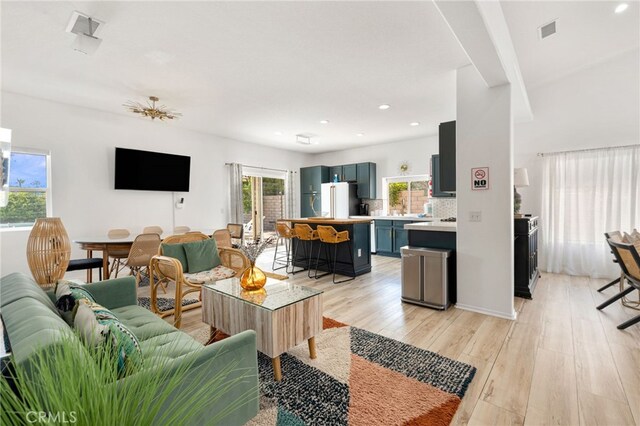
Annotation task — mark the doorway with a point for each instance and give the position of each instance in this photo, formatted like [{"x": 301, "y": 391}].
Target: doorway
[{"x": 263, "y": 200}]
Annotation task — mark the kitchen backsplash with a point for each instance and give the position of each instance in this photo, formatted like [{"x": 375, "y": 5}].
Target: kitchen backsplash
[{"x": 444, "y": 207}]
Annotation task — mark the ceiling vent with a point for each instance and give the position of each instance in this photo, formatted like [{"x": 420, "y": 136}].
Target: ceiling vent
[{"x": 547, "y": 30}]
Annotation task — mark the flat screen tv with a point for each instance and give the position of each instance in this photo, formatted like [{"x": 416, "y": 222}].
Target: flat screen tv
[{"x": 151, "y": 171}]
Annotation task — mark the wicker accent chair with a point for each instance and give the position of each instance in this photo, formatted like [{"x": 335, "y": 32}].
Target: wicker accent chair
[
  {"x": 120, "y": 256},
  {"x": 144, "y": 247},
  {"x": 165, "y": 269}
]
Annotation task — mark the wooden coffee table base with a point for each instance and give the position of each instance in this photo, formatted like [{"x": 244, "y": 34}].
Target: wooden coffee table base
[
  {"x": 275, "y": 362},
  {"x": 277, "y": 330}
]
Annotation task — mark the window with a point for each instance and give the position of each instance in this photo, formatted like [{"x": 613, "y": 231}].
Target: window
[
  {"x": 405, "y": 194},
  {"x": 28, "y": 194}
]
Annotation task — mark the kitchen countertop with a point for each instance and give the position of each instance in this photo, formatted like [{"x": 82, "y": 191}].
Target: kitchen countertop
[
  {"x": 415, "y": 218},
  {"x": 328, "y": 220},
  {"x": 432, "y": 226}
]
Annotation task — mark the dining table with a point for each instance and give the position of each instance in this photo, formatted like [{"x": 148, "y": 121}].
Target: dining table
[{"x": 108, "y": 245}]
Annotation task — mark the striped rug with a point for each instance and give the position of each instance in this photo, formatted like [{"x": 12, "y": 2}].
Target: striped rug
[{"x": 360, "y": 378}]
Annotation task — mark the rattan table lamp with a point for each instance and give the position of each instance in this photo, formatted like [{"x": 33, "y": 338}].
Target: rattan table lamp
[{"x": 48, "y": 251}]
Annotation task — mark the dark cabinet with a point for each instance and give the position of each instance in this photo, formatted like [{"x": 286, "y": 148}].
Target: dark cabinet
[
  {"x": 391, "y": 237},
  {"x": 366, "y": 180},
  {"x": 384, "y": 237},
  {"x": 311, "y": 180},
  {"x": 447, "y": 151},
  {"x": 333, "y": 171},
  {"x": 349, "y": 173},
  {"x": 435, "y": 179},
  {"x": 525, "y": 250},
  {"x": 346, "y": 173}
]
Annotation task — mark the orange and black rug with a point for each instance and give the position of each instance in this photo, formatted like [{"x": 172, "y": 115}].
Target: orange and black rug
[{"x": 361, "y": 378}]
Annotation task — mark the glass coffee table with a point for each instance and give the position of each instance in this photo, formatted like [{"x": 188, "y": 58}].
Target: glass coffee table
[{"x": 282, "y": 314}]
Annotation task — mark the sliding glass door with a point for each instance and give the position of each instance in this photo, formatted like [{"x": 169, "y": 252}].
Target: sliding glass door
[{"x": 263, "y": 200}]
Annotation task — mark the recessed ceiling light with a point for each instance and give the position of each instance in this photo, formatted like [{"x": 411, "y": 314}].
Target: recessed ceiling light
[
  {"x": 277, "y": 133},
  {"x": 324, "y": 121},
  {"x": 415, "y": 123},
  {"x": 384, "y": 106},
  {"x": 621, "y": 7},
  {"x": 360, "y": 135}
]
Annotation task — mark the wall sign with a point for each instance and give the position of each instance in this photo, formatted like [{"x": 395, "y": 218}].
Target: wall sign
[{"x": 479, "y": 178}]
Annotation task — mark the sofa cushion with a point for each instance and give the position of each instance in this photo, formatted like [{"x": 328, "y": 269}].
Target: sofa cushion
[
  {"x": 202, "y": 255},
  {"x": 158, "y": 339},
  {"x": 30, "y": 325},
  {"x": 17, "y": 286},
  {"x": 67, "y": 293},
  {"x": 176, "y": 251},
  {"x": 168, "y": 347},
  {"x": 142, "y": 322},
  {"x": 218, "y": 273},
  {"x": 87, "y": 325}
]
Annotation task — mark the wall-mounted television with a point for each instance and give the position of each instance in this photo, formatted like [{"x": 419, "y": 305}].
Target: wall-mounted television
[{"x": 151, "y": 171}]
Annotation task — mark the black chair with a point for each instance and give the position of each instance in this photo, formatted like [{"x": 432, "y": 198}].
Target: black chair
[
  {"x": 629, "y": 261},
  {"x": 86, "y": 264},
  {"x": 616, "y": 235}
]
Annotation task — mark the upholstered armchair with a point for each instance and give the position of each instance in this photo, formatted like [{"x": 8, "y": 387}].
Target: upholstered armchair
[{"x": 165, "y": 268}]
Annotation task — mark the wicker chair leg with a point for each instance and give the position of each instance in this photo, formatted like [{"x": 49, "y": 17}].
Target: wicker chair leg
[{"x": 177, "y": 310}]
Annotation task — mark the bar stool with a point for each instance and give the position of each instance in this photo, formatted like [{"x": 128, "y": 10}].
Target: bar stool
[
  {"x": 328, "y": 235},
  {"x": 305, "y": 233},
  {"x": 286, "y": 236}
]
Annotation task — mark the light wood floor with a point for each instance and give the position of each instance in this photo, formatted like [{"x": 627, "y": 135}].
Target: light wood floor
[{"x": 561, "y": 362}]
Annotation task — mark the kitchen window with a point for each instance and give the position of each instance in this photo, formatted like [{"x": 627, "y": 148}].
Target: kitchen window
[
  {"x": 405, "y": 195},
  {"x": 29, "y": 189}
]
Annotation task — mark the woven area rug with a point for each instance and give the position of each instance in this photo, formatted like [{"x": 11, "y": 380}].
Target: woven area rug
[
  {"x": 360, "y": 378},
  {"x": 164, "y": 304}
]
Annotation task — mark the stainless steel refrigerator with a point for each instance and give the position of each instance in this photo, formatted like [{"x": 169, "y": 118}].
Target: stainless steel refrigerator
[{"x": 339, "y": 200}]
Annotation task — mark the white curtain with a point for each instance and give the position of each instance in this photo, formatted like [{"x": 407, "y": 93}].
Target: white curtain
[
  {"x": 235, "y": 193},
  {"x": 289, "y": 187},
  {"x": 584, "y": 195}
]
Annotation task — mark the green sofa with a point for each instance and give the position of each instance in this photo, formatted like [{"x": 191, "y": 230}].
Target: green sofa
[{"x": 32, "y": 321}]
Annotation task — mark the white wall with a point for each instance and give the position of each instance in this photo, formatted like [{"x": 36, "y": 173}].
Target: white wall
[
  {"x": 484, "y": 249},
  {"x": 387, "y": 157},
  {"x": 592, "y": 108},
  {"x": 82, "y": 143}
]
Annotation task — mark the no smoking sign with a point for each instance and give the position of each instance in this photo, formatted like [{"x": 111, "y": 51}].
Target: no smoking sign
[{"x": 480, "y": 178}]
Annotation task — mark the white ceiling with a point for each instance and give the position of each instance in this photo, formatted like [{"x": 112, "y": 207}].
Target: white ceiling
[
  {"x": 246, "y": 70},
  {"x": 588, "y": 32}
]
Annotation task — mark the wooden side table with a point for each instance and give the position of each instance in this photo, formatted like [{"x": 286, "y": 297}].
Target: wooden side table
[{"x": 282, "y": 314}]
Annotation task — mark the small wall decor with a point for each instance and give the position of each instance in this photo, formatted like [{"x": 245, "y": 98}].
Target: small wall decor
[{"x": 404, "y": 167}]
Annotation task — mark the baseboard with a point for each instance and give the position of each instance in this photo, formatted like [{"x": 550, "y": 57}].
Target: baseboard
[{"x": 493, "y": 313}]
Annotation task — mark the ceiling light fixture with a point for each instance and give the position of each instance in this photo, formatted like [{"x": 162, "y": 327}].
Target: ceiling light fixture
[
  {"x": 415, "y": 123},
  {"x": 303, "y": 139},
  {"x": 384, "y": 106},
  {"x": 151, "y": 110},
  {"x": 324, "y": 121},
  {"x": 85, "y": 28},
  {"x": 621, "y": 7}
]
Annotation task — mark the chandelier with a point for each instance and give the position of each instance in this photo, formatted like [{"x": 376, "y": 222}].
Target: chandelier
[{"x": 152, "y": 111}]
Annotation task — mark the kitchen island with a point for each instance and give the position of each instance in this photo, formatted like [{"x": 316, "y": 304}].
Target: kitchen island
[
  {"x": 359, "y": 234},
  {"x": 438, "y": 235}
]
